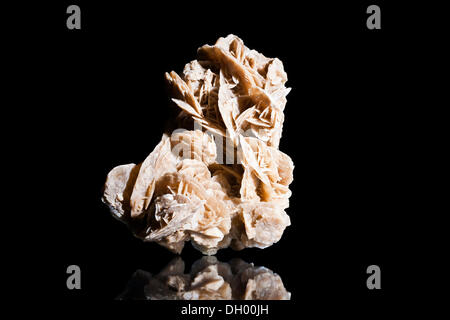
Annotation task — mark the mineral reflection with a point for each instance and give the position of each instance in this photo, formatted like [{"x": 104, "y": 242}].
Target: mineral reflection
[{"x": 208, "y": 279}]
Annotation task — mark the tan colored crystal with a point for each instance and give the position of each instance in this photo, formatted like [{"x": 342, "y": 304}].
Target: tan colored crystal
[
  {"x": 231, "y": 87},
  {"x": 231, "y": 102}
]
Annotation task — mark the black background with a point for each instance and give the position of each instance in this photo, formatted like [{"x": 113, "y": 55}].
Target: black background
[{"x": 347, "y": 129}]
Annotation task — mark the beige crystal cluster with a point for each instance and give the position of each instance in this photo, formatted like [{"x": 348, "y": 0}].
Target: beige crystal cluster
[
  {"x": 208, "y": 279},
  {"x": 218, "y": 180}
]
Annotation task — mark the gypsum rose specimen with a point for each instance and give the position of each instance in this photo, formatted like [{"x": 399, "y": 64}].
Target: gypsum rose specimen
[
  {"x": 183, "y": 191},
  {"x": 208, "y": 279}
]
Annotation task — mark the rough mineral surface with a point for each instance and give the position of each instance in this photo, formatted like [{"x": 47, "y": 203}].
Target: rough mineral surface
[
  {"x": 208, "y": 279},
  {"x": 218, "y": 180}
]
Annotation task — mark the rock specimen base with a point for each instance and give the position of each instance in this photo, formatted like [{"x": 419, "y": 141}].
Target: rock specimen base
[
  {"x": 218, "y": 180},
  {"x": 208, "y": 279}
]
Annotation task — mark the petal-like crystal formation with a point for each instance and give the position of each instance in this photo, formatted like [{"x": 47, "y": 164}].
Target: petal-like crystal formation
[{"x": 191, "y": 187}]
